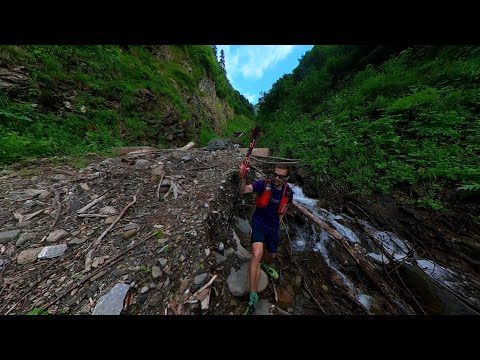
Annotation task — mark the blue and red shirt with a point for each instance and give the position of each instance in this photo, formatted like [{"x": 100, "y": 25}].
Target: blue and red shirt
[{"x": 268, "y": 216}]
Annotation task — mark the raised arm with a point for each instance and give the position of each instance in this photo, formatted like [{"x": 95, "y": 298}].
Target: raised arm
[{"x": 245, "y": 188}]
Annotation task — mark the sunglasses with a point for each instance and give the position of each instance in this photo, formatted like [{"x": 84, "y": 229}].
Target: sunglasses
[{"x": 274, "y": 175}]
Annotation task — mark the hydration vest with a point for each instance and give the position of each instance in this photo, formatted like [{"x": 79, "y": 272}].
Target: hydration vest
[{"x": 264, "y": 198}]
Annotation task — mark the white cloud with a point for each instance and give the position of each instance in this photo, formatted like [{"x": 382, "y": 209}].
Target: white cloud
[
  {"x": 261, "y": 58},
  {"x": 248, "y": 63},
  {"x": 251, "y": 61}
]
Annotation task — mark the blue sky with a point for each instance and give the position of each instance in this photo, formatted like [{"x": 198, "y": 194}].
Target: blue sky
[{"x": 255, "y": 68}]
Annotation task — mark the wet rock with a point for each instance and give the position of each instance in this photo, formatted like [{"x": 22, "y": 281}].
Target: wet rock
[
  {"x": 156, "y": 300},
  {"x": 28, "y": 256},
  {"x": 112, "y": 302},
  {"x": 131, "y": 226},
  {"x": 199, "y": 279},
  {"x": 33, "y": 192},
  {"x": 44, "y": 195},
  {"x": 74, "y": 205},
  {"x": 241, "y": 252},
  {"x": 24, "y": 238},
  {"x": 156, "y": 272},
  {"x": 110, "y": 220},
  {"x": 130, "y": 233},
  {"x": 85, "y": 186},
  {"x": 107, "y": 162},
  {"x": 238, "y": 281},
  {"x": 243, "y": 225},
  {"x": 77, "y": 241},
  {"x": 59, "y": 177},
  {"x": 142, "y": 163},
  {"x": 285, "y": 298},
  {"x": 262, "y": 307},
  {"x": 86, "y": 309},
  {"x": 7, "y": 236},
  {"x": 108, "y": 210},
  {"x": 57, "y": 235},
  {"x": 24, "y": 224},
  {"x": 438, "y": 301},
  {"x": 52, "y": 251},
  {"x": 220, "y": 144},
  {"x": 157, "y": 173},
  {"x": 219, "y": 258}
]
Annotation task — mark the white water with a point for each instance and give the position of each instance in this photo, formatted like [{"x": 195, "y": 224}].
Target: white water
[
  {"x": 321, "y": 238},
  {"x": 396, "y": 248}
]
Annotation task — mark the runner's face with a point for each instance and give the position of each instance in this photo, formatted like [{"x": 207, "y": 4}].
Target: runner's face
[{"x": 279, "y": 176}]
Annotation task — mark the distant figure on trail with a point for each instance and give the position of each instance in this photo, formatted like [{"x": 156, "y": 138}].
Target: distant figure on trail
[{"x": 272, "y": 201}]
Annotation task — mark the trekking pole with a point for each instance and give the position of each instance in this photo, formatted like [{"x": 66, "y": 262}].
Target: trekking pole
[{"x": 253, "y": 138}]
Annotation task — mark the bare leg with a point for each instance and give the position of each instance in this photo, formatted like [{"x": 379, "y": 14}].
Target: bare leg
[
  {"x": 269, "y": 257},
  {"x": 254, "y": 269}
]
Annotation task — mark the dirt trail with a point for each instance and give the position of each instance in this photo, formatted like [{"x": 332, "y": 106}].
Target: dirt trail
[{"x": 166, "y": 213}]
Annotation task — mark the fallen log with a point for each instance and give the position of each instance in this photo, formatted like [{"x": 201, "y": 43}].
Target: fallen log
[{"x": 364, "y": 264}]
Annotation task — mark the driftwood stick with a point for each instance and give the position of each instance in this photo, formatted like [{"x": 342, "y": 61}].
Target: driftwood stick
[
  {"x": 57, "y": 205},
  {"x": 201, "y": 289},
  {"x": 203, "y": 168},
  {"x": 275, "y": 291},
  {"x": 169, "y": 189},
  {"x": 88, "y": 259},
  {"x": 273, "y": 162},
  {"x": 91, "y": 204},
  {"x": 93, "y": 215},
  {"x": 313, "y": 297},
  {"x": 158, "y": 188},
  {"x": 100, "y": 198}
]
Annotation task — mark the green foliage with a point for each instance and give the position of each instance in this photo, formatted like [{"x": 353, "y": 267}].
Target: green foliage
[
  {"x": 146, "y": 269},
  {"x": 206, "y": 134},
  {"x": 240, "y": 124},
  {"x": 89, "y": 98},
  {"x": 37, "y": 311},
  {"x": 380, "y": 118},
  {"x": 430, "y": 203},
  {"x": 159, "y": 234}
]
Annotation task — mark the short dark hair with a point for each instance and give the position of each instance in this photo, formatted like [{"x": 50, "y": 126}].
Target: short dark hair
[{"x": 282, "y": 166}]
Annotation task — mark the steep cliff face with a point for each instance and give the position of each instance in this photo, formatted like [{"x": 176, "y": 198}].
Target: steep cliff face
[{"x": 73, "y": 99}]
